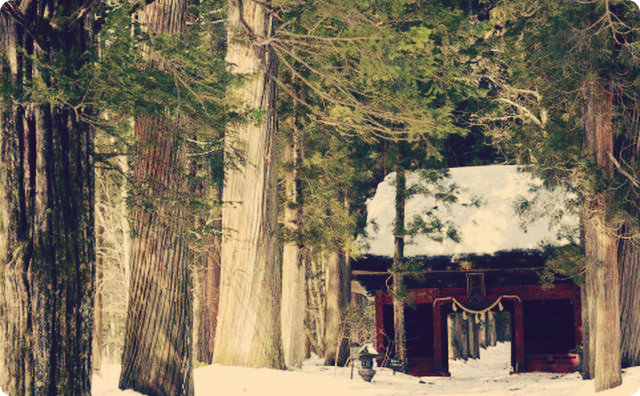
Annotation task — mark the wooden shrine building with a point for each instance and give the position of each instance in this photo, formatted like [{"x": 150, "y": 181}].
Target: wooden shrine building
[
  {"x": 496, "y": 264},
  {"x": 546, "y": 326}
]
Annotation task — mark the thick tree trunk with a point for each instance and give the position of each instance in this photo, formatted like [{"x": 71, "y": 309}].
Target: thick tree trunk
[
  {"x": 629, "y": 267},
  {"x": 157, "y": 351},
  {"x": 294, "y": 302},
  {"x": 47, "y": 260},
  {"x": 336, "y": 348},
  {"x": 604, "y": 309},
  {"x": 209, "y": 296},
  {"x": 156, "y": 359},
  {"x": 248, "y": 332},
  {"x": 601, "y": 250}
]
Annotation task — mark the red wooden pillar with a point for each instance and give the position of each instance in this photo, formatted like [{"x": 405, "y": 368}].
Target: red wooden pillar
[
  {"x": 518, "y": 335},
  {"x": 380, "y": 327},
  {"x": 437, "y": 337},
  {"x": 577, "y": 314},
  {"x": 440, "y": 363}
]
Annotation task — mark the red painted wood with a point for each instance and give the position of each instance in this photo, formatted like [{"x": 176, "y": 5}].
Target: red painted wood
[
  {"x": 380, "y": 325},
  {"x": 518, "y": 336},
  {"x": 523, "y": 363},
  {"x": 525, "y": 292},
  {"x": 437, "y": 337},
  {"x": 577, "y": 314},
  {"x": 563, "y": 363}
]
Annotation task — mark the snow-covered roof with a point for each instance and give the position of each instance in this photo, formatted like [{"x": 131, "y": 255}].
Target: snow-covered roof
[{"x": 485, "y": 215}]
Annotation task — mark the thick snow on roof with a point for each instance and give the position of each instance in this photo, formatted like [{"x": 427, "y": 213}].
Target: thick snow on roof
[{"x": 485, "y": 215}]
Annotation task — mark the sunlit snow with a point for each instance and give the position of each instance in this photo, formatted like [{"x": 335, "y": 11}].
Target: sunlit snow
[{"x": 484, "y": 215}]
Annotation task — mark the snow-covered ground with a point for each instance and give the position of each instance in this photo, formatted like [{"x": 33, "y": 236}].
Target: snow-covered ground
[{"x": 488, "y": 376}]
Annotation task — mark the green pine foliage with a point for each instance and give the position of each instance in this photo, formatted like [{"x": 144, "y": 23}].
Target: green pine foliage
[
  {"x": 545, "y": 55},
  {"x": 365, "y": 75}
]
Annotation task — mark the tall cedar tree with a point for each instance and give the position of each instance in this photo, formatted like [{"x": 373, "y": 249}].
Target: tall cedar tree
[
  {"x": 47, "y": 269},
  {"x": 248, "y": 329},
  {"x": 156, "y": 359},
  {"x": 567, "y": 84},
  {"x": 294, "y": 296}
]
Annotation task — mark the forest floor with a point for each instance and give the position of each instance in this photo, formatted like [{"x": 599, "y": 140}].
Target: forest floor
[{"x": 488, "y": 376}]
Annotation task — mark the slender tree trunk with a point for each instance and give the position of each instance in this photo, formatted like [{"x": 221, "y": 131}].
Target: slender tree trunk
[
  {"x": 336, "y": 348},
  {"x": 248, "y": 332},
  {"x": 601, "y": 249},
  {"x": 472, "y": 327},
  {"x": 47, "y": 260},
  {"x": 400, "y": 341},
  {"x": 482, "y": 330},
  {"x": 461, "y": 336},
  {"x": 156, "y": 359},
  {"x": 316, "y": 297},
  {"x": 294, "y": 302},
  {"x": 492, "y": 336},
  {"x": 629, "y": 263},
  {"x": 451, "y": 335},
  {"x": 98, "y": 345},
  {"x": 5, "y": 117}
]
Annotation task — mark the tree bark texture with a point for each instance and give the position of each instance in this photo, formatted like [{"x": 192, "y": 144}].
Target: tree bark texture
[
  {"x": 603, "y": 299},
  {"x": 336, "y": 345},
  {"x": 98, "y": 345},
  {"x": 316, "y": 298},
  {"x": 492, "y": 336},
  {"x": 400, "y": 341},
  {"x": 156, "y": 359},
  {"x": 629, "y": 267},
  {"x": 209, "y": 296},
  {"x": 472, "y": 329},
  {"x": 294, "y": 301},
  {"x": 482, "y": 330},
  {"x": 460, "y": 337},
  {"x": 467, "y": 335},
  {"x": 47, "y": 260},
  {"x": 248, "y": 332},
  {"x": 602, "y": 277},
  {"x": 451, "y": 337}
]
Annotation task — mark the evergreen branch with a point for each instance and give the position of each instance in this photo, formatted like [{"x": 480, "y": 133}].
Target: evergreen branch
[{"x": 370, "y": 114}]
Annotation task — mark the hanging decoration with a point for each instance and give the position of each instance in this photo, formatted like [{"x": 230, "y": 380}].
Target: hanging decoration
[{"x": 498, "y": 302}]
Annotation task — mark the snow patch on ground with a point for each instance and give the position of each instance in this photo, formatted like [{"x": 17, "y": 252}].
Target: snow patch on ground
[
  {"x": 488, "y": 376},
  {"x": 484, "y": 215}
]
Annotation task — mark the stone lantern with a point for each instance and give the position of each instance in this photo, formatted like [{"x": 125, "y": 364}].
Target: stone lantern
[{"x": 366, "y": 355}]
